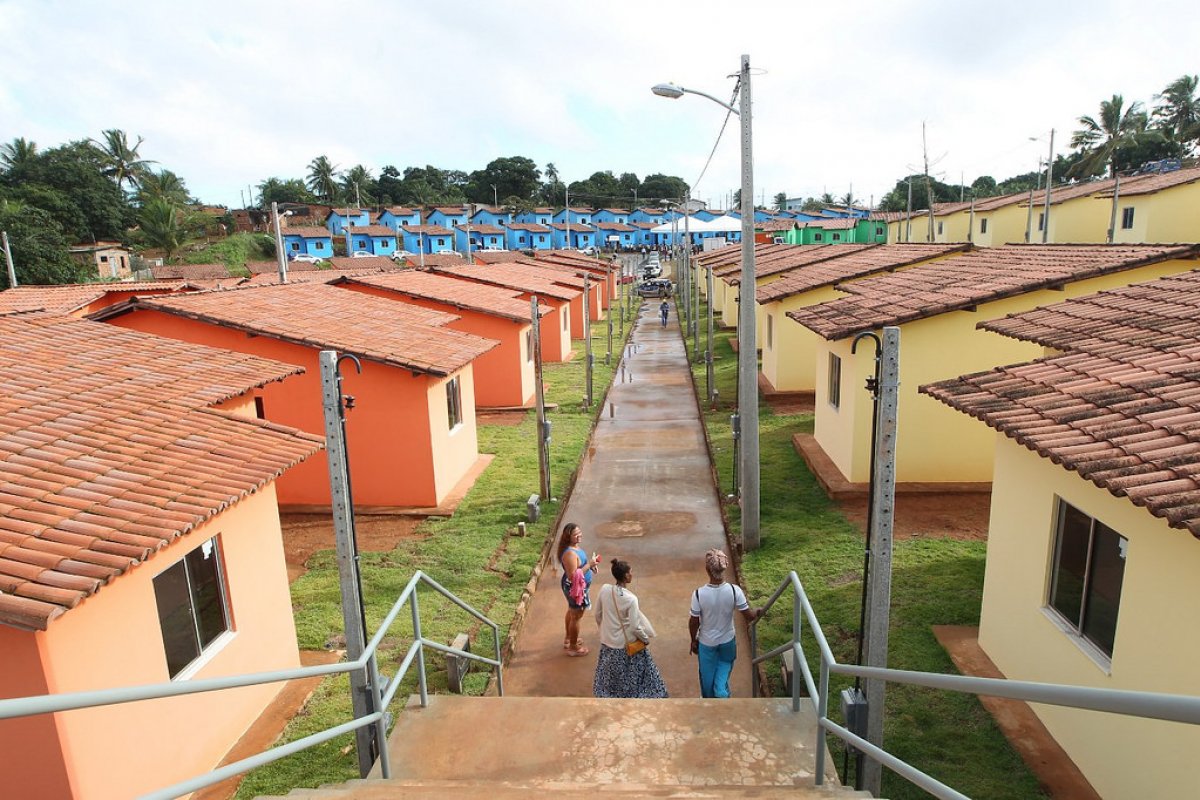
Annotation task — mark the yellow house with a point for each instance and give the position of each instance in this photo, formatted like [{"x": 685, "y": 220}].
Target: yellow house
[
  {"x": 724, "y": 262},
  {"x": 788, "y": 348},
  {"x": 1091, "y": 573},
  {"x": 937, "y": 307},
  {"x": 1156, "y": 208}
]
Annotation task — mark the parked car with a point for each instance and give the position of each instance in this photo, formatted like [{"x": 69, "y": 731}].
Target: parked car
[
  {"x": 588, "y": 251},
  {"x": 305, "y": 258},
  {"x": 400, "y": 255},
  {"x": 361, "y": 254},
  {"x": 651, "y": 271},
  {"x": 659, "y": 287},
  {"x": 493, "y": 250}
]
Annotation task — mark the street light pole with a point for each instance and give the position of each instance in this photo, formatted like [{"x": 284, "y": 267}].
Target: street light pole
[
  {"x": 1049, "y": 183},
  {"x": 747, "y": 419},
  {"x": 280, "y": 256}
]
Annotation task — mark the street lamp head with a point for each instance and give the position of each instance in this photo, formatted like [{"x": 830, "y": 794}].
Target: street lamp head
[{"x": 667, "y": 90}]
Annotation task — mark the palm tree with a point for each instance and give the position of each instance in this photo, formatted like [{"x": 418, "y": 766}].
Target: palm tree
[
  {"x": 1178, "y": 112},
  {"x": 159, "y": 225},
  {"x": 356, "y": 181},
  {"x": 122, "y": 162},
  {"x": 164, "y": 185},
  {"x": 1099, "y": 139},
  {"x": 17, "y": 152},
  {"x": 322, "y": 178}
]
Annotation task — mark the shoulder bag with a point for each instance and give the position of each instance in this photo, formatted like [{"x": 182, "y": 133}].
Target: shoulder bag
[{"x": 637, "y": 645}]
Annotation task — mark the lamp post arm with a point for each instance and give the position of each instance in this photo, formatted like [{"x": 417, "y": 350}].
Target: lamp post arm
[{"x": 721, "y": 103}]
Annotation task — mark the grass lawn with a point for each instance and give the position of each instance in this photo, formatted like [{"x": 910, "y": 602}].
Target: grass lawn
[
  {"x": 934, "y": 581},
  {"x": 476, "y": 554}
]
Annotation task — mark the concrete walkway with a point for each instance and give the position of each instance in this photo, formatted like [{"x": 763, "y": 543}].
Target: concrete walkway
[{"x": 644, "y": 494}]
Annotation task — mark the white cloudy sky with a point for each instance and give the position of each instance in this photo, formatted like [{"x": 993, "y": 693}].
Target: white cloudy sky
[{"x": 227, "y": 94}]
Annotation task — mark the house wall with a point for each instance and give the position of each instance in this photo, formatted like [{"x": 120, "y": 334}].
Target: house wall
[
  {"x": 556, "y": 330},
  {"x": 114, "y": 639},
  {"x": 26, "y": 741},
  {"x": 789, "y": 360},
  {"x": 934, "y": 442},
  {"x": 1163, "y": 217},
  {"x": 388, "y": 439},
  {"x": 1153, "y": 651},
  {"x": 503, "y": 375},
  {"x": 1081, "y": 219}
]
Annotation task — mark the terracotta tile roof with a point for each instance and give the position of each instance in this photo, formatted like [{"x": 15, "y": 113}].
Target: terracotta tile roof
[
  {"x": 480, "y": 229},
  {"x": 892, "y": 216},
  {"x": 449, "y": 258},
  {"x": 579, "y": 210},
  {"x": 325, "y": 317},
  {"x": 839, "y": 224},
  {"x": 614, "y": 210},
  {"x": 65, "y": 298},
  {"x": 371, "y": 230},
  {"x": 979, "y": 276},
  {"x": 594, "y": 272},
  {"x": 726, "y": 257},
  {"x": 530, "y": 227},
  {"x": 307, "y": 232},
  {"x": 543, "y": 210},
  {"x": 399, "y": 211},
  {"x": 304, "y": 276},
  {"x": 481, "y": 257},
  {"x": 432, "y": 230},
  {"x": 775, "y": 225},
  {"x": 479, "y": 297},
  {"x": 644, "y": 224},
  {"x": 362, "y": 263},
  {"x": 1135, "y": 185},
  {"x": 854, "y": 264},
  {"x": 787, "y": 257},
  {"x": 189, "y": 272},
  {"x": 272, "y": 267},
  {"x": 452, "y": 211},
  {"x": 349, "y": 212},
  {"x": 510, "y": 276},
  {"x": 1129, "y": 425},
  {"x": 555, "y": 273},
  {"x": 108, "y": 453},
  {"x": 654, "y": 212}
]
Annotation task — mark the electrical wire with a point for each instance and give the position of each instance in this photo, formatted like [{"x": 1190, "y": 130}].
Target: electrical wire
[{"x": 728, "y": 113}]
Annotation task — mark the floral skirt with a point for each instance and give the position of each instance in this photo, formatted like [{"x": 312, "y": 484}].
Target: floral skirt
[{"x": 621, "y": 675}]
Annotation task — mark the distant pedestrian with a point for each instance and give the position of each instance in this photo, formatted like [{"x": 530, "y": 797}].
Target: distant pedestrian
[
  {"x": 663, "y": 310},
  {"x": 576, "y": 581},
  {"x": 625, "y": 667},
  {"x": 714, "y": 640}
]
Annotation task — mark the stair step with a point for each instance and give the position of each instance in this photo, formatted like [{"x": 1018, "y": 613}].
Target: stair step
[{"x": 492, "y": 790}]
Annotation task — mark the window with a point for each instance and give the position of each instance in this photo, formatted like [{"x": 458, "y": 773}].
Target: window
[
  {"x": 521, "y": 239},
  {"x": 1089, "y": 568},
  {"x": 983, "y": 225},
  {"x": 770, "y": 330},
  {"x": 835, "y": 380},
  {"x": 1127, "y": 218},
  {"x": 1041, "y": 220},
  {"x": 362, "y": 245},
  {"x": 818, "y": 237},
  {"x": 939, "y": 228},
  {"x": 103, "y": 259},
  {"x": 441, "y": 240},
  {"x": 529, "y": 345},
  {"x": 190, "y": 596},
  {"x": 260, "y": 410},
  {"x": 454, "y": 402},
  {"x": 295, "y": 246},
  {"x": 879, "y": 230},
  {"x": 837, "y": 237}
]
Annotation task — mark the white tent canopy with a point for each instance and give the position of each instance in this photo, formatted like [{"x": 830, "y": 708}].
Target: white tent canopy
[{"x": 723, "y": 224}]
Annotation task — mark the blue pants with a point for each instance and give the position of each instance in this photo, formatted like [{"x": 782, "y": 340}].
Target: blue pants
[{"x": 715, "y": 665}]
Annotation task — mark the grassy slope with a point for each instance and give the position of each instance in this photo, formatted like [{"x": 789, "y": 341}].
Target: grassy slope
[
  {"x": 475, "y": 554},
  {"x": 947, "y": 735}
]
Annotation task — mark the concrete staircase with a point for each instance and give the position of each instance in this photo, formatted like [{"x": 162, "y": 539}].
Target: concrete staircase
[{"x": 501, "y": 748}]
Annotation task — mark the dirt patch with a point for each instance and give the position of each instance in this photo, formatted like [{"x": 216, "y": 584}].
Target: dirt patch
[
  {"x": 506, "y": 418},
  {"x": 790, "y": 403},
  {"x": 637, "y": 523},
  {"x": 936, "y": 516},
  {"x": 305, "y": 534}
]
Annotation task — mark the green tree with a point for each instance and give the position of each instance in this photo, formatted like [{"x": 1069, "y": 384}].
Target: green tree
[
  {"x": 780, "y": 201},
  {"x": 17, "y": 152},
  {"x": 662, "y": 187},
  {"x": 1099, "y": 137},
  {"x": 122, "y": 162},
  {"x": 1178, "y": 112},
  {"x": 164, "y": 226},
  {"x": 390, "y": 186},
  {"x": 164, "y": 185},
  {"x": 983, "y": 186},
  {"x": 69, "y": 182},
  {"x": 429, "y": 185},
  {"x": 811, "y": 204},
  {"x": 323, "y": 178},
  {"x": 279, "y": 190},
  {"x": 39, "y": 248},
  {"x": 358, "y": 185},
  {"x": 897, "y": 198},
  {"x": 515, "y": 176}
]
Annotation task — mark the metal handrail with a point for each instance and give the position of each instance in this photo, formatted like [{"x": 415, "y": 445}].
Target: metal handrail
[
  {"x": 48, "y": 704},
  {"x": 1149, "y": 705}
]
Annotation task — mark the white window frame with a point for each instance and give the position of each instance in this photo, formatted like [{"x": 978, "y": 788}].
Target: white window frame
[
  {"x": 834, "y": 386},
  {"x": 454, "y": 412},
  {"x": 205, "y": 652}
]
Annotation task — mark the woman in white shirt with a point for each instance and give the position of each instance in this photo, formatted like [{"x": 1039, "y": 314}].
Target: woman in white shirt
[{"x": 621, "y": 622}]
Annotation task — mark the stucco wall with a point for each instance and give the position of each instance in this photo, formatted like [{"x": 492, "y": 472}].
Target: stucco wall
[
  {"x": 790, "y": 362},
  {"x": 1155, "y": 647}
]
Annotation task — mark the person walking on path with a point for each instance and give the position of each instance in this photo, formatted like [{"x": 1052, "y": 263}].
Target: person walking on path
[
  {"x": 576, "y": 581},
  {"x": 663, "y": 310},
  {"x": 623, "y": 627},
  {"x": 711, "y": 625}
]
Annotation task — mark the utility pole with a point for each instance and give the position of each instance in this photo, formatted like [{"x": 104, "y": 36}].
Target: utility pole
[
  {"x": 1049, "y": 185},
  {"x": 747, "y": 351},
  {"x": 878, "y": 608},
  {"x": 1029, "y": 219},
  {"x": 1112, "y": 220},
  {"x": 608, "y": 287},
  {"x": 908, "y": 214},
  {"x": 279, "y": 254},
  {"x": 587, "y": 340},
  {"x": 710, "y": 383},
  {"x": 543, "y": 425},
  {"x": 12, "y": 270},
  {"x": 928, "y": 183},
  {"x": 347, "y": 550}
]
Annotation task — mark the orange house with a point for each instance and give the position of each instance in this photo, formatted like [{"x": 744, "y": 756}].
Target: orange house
[
  {"x": 135, "y": 465},
  {"x": 81, "y": 299},
  {"x": 597, "y": 280},
  {"x": 504, "y": 377},
  {"x": 411, "y": 434},
  {"x": 568, "y": 278},
  {"x": 599, "y": 271},
  {"x": 555, "y": 327}
]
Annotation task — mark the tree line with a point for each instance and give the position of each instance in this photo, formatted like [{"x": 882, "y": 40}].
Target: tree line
[{"x": 1120, "y": 137}]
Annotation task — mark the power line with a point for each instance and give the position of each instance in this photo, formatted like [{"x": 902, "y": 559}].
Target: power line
[{"x": 737, "y": 86}]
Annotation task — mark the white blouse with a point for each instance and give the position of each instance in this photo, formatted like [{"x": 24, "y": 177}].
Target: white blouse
[{"x": 612, "y": 600}]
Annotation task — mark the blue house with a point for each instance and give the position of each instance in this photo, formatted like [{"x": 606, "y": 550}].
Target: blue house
[
  {"x": 581, "y": 215},
  {"x": 611, "y": 215},
  {"x": 491, "y": 215},
  {"x": 378, "y": 240},
  {"x": 705, "y": 214},
  {"x": 616, "y": 234},
  {"x": 483, "y": 237},
  {"x": 538, "y": 216},
  {"x": 581, "y": 236},
  {"x": 446, "y": 216},
  {"x": 654, "y": 215},
  {"x": 397, "y": 217},
  {"x": 642, "y": 237},
  {"x": 339, "y": 218},
  {"x": 427, "y": 238},
  {"x": 529, "y": 236},
  {"x": 312, "y": 241}
]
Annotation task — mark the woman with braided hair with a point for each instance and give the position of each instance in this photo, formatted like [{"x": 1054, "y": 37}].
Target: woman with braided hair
[{"x": 714, "y": 640}]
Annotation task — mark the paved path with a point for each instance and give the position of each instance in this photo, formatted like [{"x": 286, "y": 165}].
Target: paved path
[{"x": 644, "y": 494}]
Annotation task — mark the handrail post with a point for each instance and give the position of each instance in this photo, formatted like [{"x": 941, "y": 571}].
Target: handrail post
[
  {"x": 385, "y": 760},
  {"x": 753, "y": 656},
  {"x": 418, "y": 639},
  {"x": 796, "y": 652},
  {"x": 499, "y": 668},
  {"x": 822, "y": 713}
]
